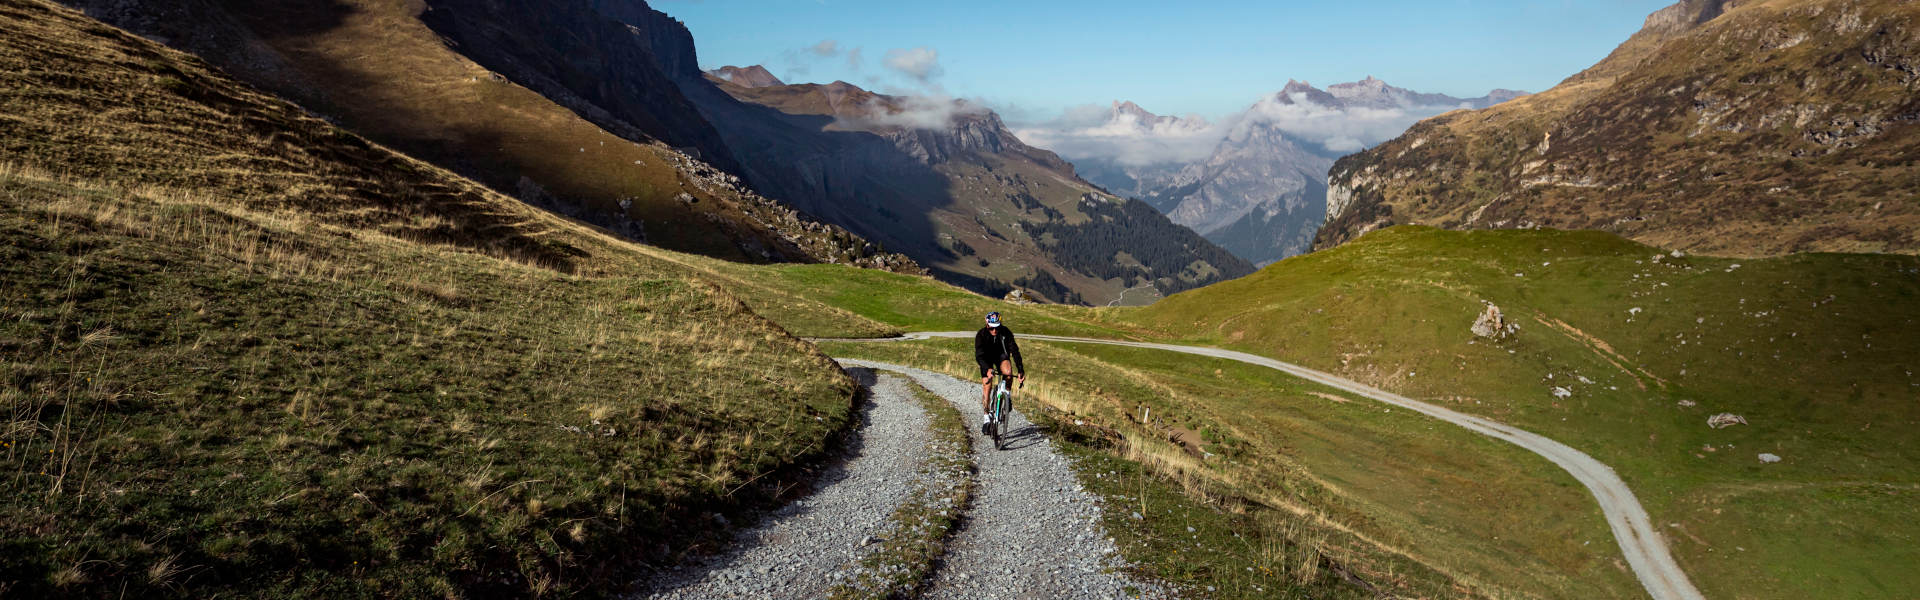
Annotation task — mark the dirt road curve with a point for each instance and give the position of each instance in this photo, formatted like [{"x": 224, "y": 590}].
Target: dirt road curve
[{"x": 1645, "y": 550}]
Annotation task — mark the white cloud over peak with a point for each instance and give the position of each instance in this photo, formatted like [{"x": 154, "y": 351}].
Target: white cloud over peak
[
  {"x": 921, "y": 111},
  {"x": 825, "y": 48},
  {"x": 921, "y": 63},
  {"x": 1096, "y": 132}
]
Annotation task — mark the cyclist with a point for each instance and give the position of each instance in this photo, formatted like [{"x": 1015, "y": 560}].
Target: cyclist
[{"x": 994, "y": 348}]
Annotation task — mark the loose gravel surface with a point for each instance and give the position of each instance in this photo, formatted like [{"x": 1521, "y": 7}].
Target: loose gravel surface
[
  {"x": 1032, "y": 531},
  {"x": 801, "y": 549}
]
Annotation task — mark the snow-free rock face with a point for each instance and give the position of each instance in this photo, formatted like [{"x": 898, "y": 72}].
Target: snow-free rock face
[{"x": 1734, "y": 128}]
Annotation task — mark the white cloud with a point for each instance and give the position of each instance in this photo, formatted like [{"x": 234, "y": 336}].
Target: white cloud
[
  {"x": 921, "y": 63},
  {"x": 853, "y": 59},
  {"x": 1093, "y": 131},
  {"x": 1098, "y": 132},
  {"x": 1337, "y": 129},
  {"x": 825, "y": 48},
  {"x": 925, "y": 111}
]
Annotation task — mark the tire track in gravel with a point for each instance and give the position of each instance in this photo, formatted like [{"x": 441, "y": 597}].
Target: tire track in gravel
[
  {"x": 1032, "y": 531},
  {"x": 797, "y": 551}
]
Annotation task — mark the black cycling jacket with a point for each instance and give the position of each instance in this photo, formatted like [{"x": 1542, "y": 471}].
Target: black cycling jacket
[{"x": 990, "y": 349}]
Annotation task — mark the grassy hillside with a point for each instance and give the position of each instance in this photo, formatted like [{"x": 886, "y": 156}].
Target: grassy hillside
[
  {"x": 1816, "y": 352},
  {"x": 1734, "y": 128},
  {"x": 428, "y": 99},
  {"x": 243, "y": 352}
]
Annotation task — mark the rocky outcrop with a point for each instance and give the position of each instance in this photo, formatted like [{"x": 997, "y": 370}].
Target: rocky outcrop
[{"x": 1493, "y": 324}]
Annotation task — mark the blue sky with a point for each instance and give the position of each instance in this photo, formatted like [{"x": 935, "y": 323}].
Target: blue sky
[{"x": 1032, "y": 59}]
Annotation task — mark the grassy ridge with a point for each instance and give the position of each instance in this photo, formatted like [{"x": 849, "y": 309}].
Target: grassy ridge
[
  {"x": 245, "y": 353},
  {"x": 1816, "y": 352}
]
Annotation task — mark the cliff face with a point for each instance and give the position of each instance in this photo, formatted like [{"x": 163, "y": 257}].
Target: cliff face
[
  {"x": 612, "y": 61},
  {"x": 1748, "y": 128}
]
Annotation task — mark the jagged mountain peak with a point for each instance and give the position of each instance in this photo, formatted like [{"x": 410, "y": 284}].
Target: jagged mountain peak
[
  {"x": 1298, "y": 92},
  {"x": 1129, "y": 107}
]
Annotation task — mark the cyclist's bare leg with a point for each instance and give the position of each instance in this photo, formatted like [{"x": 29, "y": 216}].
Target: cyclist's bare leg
[
  {"x": 986, "y": 386},
  {"x": 1006, "y": 370},
  {"x": 986, "y": 393}
]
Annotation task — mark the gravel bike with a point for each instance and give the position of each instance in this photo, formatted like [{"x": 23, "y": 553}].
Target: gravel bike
[{"x": 1002, "y": 404}]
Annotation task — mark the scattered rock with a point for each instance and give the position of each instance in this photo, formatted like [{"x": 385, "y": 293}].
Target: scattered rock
[
  {"x": 1493, "y": 324},
  {"x": 1725, "y": 420},
  {"x": 1767, "y": 457},
  {"x": 1688, "y": 404},
  {"x": 1560, "y": 392}
]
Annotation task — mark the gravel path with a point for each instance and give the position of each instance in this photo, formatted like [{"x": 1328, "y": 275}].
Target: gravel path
[
  {"x": 1643, "y": 546},
  {"x": 1032, "y": 531},
  {"x": 801, "y": 549}
]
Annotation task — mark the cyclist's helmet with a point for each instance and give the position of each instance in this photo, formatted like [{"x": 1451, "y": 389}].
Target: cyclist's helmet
[{"x": 993, "y": 319}]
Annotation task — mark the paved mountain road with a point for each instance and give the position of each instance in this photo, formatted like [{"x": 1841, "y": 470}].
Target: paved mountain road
[{"x": 1643, "y": 547}]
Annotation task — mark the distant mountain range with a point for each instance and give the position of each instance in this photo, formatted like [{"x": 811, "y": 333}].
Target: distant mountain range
[
  {"x": 946, "y": 182},
  {"x": 1254, "y": 183},
  {"x": 1735, "y": 128}
]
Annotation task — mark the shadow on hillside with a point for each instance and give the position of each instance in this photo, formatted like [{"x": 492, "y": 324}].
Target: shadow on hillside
[
  {"x": 195, "y": 130},
  {"x": 854, "y": 179}
]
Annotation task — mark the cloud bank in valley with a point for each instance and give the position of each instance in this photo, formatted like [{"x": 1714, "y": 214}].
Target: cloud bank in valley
[
  {"x": 1133, "y": 139},
  {"x": 1126, "y": 137}
]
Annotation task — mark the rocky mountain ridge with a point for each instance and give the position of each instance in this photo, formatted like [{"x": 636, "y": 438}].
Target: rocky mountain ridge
[{"x": 1735, "y": 128}]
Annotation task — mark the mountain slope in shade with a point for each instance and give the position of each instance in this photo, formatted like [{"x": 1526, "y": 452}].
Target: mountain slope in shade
[
  {"x": 1261, "y": 191},
  {"x": 946, "y": 182},
  {"x": 1735, "y": 128},
  {"x": 526, "y": 110}
]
